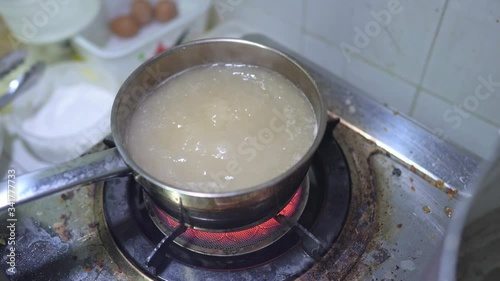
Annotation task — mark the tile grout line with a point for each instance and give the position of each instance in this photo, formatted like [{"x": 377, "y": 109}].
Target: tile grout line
[{"x": 428, "y": 59}]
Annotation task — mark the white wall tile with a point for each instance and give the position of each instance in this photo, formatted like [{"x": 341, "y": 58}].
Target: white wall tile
[
  {"x": 287, "y": 11},
  {"x": 324, "y": 55},
  {"x": 375, "y": 82},
  {"x": 401, "y": 46},
  {"x": 381, "y": 86},
  {"x": 262, "y": 18},
  {"x": 467, "y": 48},
  {"x": 470, "y": 132}
]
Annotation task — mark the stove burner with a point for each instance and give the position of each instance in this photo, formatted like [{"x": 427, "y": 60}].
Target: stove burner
[
  {"x": 236, "y": 242},
  {"x": 137, "y": 238}
]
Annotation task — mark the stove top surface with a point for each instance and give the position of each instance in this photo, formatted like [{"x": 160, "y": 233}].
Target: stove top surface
[{"x": 405, "y": 184}]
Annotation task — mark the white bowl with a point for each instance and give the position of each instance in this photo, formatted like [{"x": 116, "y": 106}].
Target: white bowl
[{"x": 66, "y": 144}]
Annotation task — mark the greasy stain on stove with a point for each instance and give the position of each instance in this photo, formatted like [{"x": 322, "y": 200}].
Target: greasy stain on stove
[{"x": 357, "y": 216}]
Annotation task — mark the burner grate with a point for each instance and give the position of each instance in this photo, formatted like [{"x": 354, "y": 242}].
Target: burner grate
[{"x": 236, "y": 242}]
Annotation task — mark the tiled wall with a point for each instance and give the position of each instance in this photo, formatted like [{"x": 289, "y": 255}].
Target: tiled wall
[{"x": 431, "y": 59}]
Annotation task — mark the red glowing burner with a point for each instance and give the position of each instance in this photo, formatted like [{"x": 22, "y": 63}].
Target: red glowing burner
[{"x": 234, "y": 242}]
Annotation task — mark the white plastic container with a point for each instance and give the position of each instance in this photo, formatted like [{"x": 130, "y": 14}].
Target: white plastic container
[
  {"x": 47, "y": 21},
  {"x": 67, "y": 145},
  {"x": 121, "y": 56}
]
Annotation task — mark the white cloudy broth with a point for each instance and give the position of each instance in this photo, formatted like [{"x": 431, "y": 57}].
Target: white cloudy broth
[{"x": 220, "y": 127}]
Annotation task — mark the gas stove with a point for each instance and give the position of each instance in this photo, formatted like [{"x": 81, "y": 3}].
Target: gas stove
[{"x": 374, "y": 206}]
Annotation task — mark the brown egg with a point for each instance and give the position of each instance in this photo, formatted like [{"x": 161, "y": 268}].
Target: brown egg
[
  {"x": 125, "y": 26},
  {"x": 165, "y": 10},
  {"x": 142, "y": 11}
]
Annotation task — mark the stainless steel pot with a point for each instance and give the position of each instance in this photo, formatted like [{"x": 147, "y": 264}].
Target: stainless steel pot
[{"x": 210, "y": 211}]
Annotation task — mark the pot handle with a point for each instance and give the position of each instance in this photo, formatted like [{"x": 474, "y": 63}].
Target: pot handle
[{"x": 87, "y": 169}]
